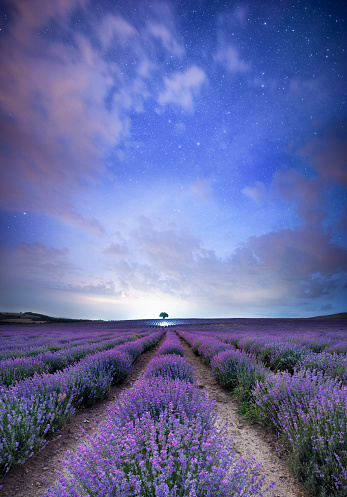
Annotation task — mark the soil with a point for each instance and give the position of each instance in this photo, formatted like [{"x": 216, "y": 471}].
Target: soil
[{"x": 40, "y": 472}]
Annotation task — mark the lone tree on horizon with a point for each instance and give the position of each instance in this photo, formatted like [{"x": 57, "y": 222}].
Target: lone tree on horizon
[{"x": 163, "y": 315}]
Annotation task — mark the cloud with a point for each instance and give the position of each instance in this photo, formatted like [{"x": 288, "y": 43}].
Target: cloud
[
  {"x": 257, "y": 193},
  {"x": 201, "y": 190},
  {"x": 35, "y": 14},
  {"x": 166, "y": 250},
  {"x": 229, "y": 57},
  {"x": 280, "y": 268},
  {"x": 327, "y": 154},
  {"x": 182, "y": 87},
  {"x": 160, "y": 32},
  {"x": 37, "y": 263},
  {"x": 307, "y": 194},
  {"x": 298, "y": 253},
  {"x": 326, "y": 307},
  {"x": 114, "y": 28},
  {"x": 117, "y": 250},
  {"x": 65, "y": 106},
  {"x": 102, "y": 288}
]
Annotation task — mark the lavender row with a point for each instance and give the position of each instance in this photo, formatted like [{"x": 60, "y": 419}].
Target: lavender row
[
  {"x": 21, "y": 340},
  {"x": 16, "y": 342},
  {"x": 19, "y": 368},
  {"x": 40, "y": 405},
  {"x": 329, "y": 336},
  {"x": 171, "y": 345},
  {"x": 36, "y": 348},
  {"x": 24, "y": 349},
  {"x": 278, "y": 354},
  {"x": 288, "y": 354},
  {"x": 232, "y": 368},
  {"x": 159, "y": 440}
]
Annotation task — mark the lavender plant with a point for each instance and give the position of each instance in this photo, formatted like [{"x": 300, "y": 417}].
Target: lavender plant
[
  {"x": 25, "y": 419},
  {"x": 330, "y": 363},
  {"x": 309, "y": 412},
  {"x": 160, "y": 395},
  {"x": 12, "y": 370},
  {"x": 171, "y": 346},
  {"x": 210, "y": 347},
  {"x": 235, "y": 370},
  {"x": 169, "y": 366},
  {"x": 19, "y": 368},
  {"x": 157, "y": 458},
  {"x": 93, "y": 376},
  {"x": 285, "y": 356}
]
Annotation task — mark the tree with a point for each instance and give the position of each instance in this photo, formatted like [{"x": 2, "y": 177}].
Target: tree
[{"x": 163, "y": 315}]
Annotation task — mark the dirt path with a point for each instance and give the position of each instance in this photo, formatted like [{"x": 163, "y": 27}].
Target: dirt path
[
  {"x": 40, "y": 472},
  {"x": 250, "y": 440}
]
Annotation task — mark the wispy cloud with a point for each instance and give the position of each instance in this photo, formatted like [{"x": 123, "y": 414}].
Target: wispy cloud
[
  {"x": 117, "y": 250},
  {"x": 256, "y": 192},
  {"x": 167, "y": 38},
  {"x": 229, "y": 57},
  {"x": 181, "y": 88},
  {"x": 37, "y": 263},
  {"x": 113, "y": 28}
]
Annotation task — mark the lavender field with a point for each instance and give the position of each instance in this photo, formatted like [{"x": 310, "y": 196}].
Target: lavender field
[
  {"x": 291, "y": 376},
  {"x": 160, "y": 437}
]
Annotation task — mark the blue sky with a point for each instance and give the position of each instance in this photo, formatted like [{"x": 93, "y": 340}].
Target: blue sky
[{"x": 189, "y": 157}]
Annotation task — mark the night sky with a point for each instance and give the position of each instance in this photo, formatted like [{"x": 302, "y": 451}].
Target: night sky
[{"x": 180, "y": 156}]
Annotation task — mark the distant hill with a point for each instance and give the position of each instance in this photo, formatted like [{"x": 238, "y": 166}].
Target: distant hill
[
  {"x": 33, "y": 317},
  {"x": 340, "y": 315}
]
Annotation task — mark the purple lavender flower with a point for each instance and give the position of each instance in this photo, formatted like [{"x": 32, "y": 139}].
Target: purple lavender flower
[{"x": 170, "y": 366}]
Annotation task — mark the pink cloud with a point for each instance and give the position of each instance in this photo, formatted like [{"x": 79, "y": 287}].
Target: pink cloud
[
  {"x": 328, "y": 155},
  {"x": 257, "y": 193},
  {"x": 35, "y": 13},
  {"x": 302, "y": 251},
  {"x": 306, "y": 193}
]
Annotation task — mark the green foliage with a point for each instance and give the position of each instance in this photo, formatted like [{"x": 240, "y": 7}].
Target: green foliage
[{"x": 163, "y": 315}]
